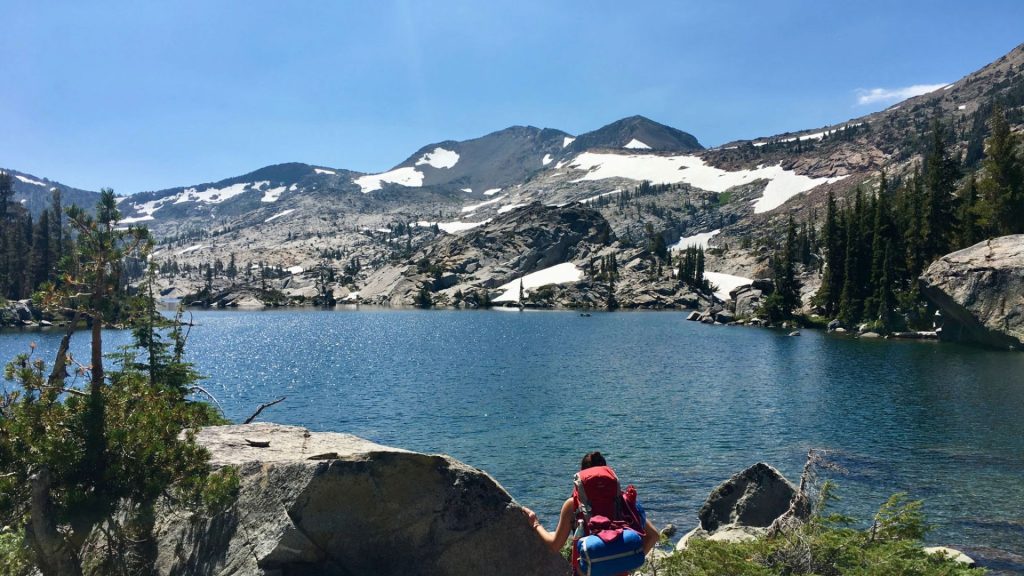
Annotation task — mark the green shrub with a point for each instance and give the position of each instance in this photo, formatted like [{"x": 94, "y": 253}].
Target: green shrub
[
  {"x": 13, "y": 556},
  {"x": 825, "y": 546}
]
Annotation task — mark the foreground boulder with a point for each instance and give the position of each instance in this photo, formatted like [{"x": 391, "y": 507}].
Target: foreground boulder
[
  {"x": 334, "y": 504},
  {"x": 744, "y": 506},
  {"x": 980, "y": 291}
]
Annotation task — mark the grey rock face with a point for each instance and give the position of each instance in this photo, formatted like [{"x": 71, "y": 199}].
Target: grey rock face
[
  {"x": 334, "y": 504},
  {"x": 980, "y": 291},
  {"x": 754, "y": 497},
  {"x": 742, "y": 507},
  {"x": 480, "y": 260}
]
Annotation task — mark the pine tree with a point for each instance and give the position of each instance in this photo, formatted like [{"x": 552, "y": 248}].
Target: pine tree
[
  {"x": 881, "y": 240},
  {"x": 885, "y": 297},
  {"x": 1002, "y": 182},
  {"x": 941, "y": 173},
  {"x": 92, "y": 294},
  {"x": 43, "y": 259},
  {"x": 969, "y": 231},
  {"x": 850, "y": 303},
  {"x": 786, "y": 284},
  {"x": 834, "y": 259}
]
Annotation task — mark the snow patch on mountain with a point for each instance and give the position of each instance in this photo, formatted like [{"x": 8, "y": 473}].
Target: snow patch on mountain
[
  {"x": 439, "y": 158},
  {"x": 134, "y": 219},
  {"x": 782, "y": 184},
  {"x": 272, "y": 194},
  {"x": 814, "y": 136},
  {"x": 452, "y": 227},
  {"x": 467, "y": 190},
  {"x": 213, "y": 195},
  {"x": 191, "y": 249},
  {"x": 475, "y": 207},
  {"x": 325, "y": 171},
  {"x": 407, "y": 176},
  {"x": 601, "y": 195},
  {"x": 565, "y": 273},
  {"x": 699, "y": 240},
  {"x": 492, "y": 191},
  {"x": 30, "y": 181},
  {"x": 635, "y": 144},
  {"x": 279, "y": 215},
  {"x": 546, "y": 160},
  {"x": 725, "y": 283},
  {"x": 567, "y": 140},
  {"x": 510, "y": 208}
]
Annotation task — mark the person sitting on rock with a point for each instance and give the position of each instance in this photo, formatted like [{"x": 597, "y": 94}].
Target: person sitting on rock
[{"x": 596, "y": 505}]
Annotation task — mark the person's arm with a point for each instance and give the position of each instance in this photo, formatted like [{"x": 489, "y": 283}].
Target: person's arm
[
  {"x": 651, "y": 537},
  {"x": 553, "y": 540}
]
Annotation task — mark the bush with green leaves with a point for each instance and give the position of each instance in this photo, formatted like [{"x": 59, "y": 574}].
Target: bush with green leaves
[{"x": 825, "y": 545}]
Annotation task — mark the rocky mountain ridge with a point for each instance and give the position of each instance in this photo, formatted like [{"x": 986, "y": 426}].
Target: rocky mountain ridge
[{"x": 297, "y": 215}]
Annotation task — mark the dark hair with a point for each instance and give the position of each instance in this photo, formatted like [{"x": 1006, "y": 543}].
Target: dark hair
[{"x": 592, "y": 459}]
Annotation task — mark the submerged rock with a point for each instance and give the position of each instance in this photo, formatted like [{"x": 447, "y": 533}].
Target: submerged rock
[
  {"x": 980, "y": 291},
  {"x": 325, "y": 503}
]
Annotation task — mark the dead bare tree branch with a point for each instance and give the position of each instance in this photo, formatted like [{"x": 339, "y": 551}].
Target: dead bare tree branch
[{"x": 262, "y": 408}]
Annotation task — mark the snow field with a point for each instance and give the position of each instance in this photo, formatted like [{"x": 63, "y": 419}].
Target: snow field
[
  {"x": 725, "y": 283},
  {"x": 407, "y": 176},
  {"x": 635, "y": 144},
  {"x": 191, "y": 249},
  {"x": 782, "y": 184},
  {"x": 699, "y": 240},
  {"x": 565, "y": 273},
  {"x": 509, "y": 208},
  {"x": 439, "y": 158},
  {"x": 29, "y": 180},
  {"x": 475, "y": 207},
  {"x": 272, "y": 194},
  {"x": 279, "y": 214}
]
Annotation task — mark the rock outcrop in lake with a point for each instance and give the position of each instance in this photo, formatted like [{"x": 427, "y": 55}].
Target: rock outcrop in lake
[
  {"x": 744, "y": 506},
  {"x": 980, "y": 291},
  {"x": 334, "y": 504}
]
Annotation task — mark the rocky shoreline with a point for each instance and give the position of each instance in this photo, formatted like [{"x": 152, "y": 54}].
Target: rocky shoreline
[{"x": 329, "y": 503}]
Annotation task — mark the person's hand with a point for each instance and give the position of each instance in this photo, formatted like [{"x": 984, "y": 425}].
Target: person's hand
[{"x": 531, "y": 516}]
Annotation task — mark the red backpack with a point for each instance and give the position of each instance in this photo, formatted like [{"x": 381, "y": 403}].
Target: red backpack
[{"x": 603, "y": 509}]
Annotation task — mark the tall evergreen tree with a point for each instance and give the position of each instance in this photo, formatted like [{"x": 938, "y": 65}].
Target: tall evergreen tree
[
  {"x": 786, "y": 284},
  {"x": 941, "y": 172},
  {"x": 881, "y": 240},
  {"x": 885, "y": 296},
  {"x": 851, "y": 299},
  {"x": 834, "y": 259},
  {"x": 43, "y": 255},
  {"x": 969, "y": 230},
  {"x": 1002, "y": 182}
]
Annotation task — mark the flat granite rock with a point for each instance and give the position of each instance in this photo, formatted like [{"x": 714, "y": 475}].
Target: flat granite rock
[{"x": 335, "y": 504}]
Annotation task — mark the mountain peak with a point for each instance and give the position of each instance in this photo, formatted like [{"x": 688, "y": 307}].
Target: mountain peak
[{"x": 638, "y": 133}]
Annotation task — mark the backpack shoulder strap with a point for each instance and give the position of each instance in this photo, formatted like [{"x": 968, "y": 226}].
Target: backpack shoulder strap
[{"x": 583, "y": 508}]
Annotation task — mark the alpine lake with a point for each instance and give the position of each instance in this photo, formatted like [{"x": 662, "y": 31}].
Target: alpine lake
[{"x": 676, "y": 407}]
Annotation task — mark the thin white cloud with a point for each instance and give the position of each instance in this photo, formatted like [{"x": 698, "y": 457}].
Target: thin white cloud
[{"x": 873, "y": 95}]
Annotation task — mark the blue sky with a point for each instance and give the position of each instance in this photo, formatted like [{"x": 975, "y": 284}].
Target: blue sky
[{"x": 149, "y": 95}]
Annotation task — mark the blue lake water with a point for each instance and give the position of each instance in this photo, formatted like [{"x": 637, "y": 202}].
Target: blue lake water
[{"x": 677, "y": 407}]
